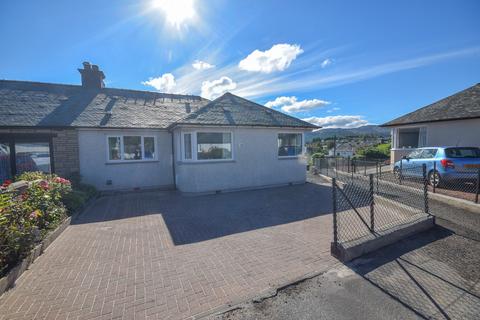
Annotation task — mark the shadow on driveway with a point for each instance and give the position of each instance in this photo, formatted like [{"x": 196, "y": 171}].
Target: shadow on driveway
[
  {"x": 435, "y": 274},
  {"x": 192, "y": 219}
]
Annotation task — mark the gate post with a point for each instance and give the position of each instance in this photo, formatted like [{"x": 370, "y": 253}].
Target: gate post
[
  {"x": 334, "y": 198},
  {"x": 478, "y": 186},
  {"x": 425, "y": 188},
  {"x": 372, "y": 204}
]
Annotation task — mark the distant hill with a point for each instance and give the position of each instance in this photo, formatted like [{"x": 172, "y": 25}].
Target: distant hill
[{"x": 371, "y": 130}]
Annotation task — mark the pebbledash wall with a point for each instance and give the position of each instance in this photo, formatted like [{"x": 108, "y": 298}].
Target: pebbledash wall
[
  {"x": 106, "y": 175},
  {"x": 255, "y": 163},
  {"x": 65, "y": 147}
]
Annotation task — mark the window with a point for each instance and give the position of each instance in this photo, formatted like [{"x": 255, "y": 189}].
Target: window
[
  {"x": 289, "y": 144},
  {"x": 187, "y": 146},
  {"x": 214, "y": 145},
  {"x": 411, "y": 138},
  {"x": 149, "y": 147},
  {"x": 5, "y": 164},
  {"x": 114, "y": 152},
  {"x": 32, "y": 156},
  {"x": 23, "y": 153},
  {"x": 462, "y": 152},
  {"x": 207, "y": 146},
  {"x": 429, "y": 153},
  {"x": 131, "y": 148}
]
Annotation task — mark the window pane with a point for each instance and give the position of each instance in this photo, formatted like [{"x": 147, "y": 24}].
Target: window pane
[
  {"x": 214, "y": 145},
  {"x": 114, "y": 148},
  {"x": 408, "y": 138},
  {"x": 289, "y": 144},
  {"x": 187, "y": 144},
  {"x": 34, "y": 156},
  {"x": 5, "y": 169},
  {"x": 462, "y": 152},
  {"x": 132, "y": 147},
  {"x": 149, "y": 146}
]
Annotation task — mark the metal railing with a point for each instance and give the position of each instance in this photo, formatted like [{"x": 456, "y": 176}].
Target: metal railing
[
  {"x": 466, "y": 187},
  {"x": 367, "y": 206}
]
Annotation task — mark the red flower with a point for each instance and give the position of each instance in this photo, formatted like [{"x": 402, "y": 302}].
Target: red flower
[
  {"x": 6, "y": 183},
  {"x": 44, "y": 185},
  {"x": 61, "y": 180}
]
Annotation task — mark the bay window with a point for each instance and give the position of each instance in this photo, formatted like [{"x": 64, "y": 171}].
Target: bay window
[
  {"x": 131, "y": 148},
  {"x": 207, "y": 146},
  {"x": 289, "y": 144}
]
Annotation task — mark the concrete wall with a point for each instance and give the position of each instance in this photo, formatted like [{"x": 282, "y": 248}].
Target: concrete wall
[
  {"x": 464, "y": 133},
  {"x": 65, "y": 148},
  {"x": 96, "y": 170},
  {"x": 255, "y": 164}
]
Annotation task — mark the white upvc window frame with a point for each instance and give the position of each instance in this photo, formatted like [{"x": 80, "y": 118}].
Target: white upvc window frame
[
  {"x": 302, "y": 145},
  {"x": 142, "y": 139},
  {"x": 194, "y": 146}
]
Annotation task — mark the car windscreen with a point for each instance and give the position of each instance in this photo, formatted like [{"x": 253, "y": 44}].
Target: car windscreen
[{"x": 462, "y": 152}]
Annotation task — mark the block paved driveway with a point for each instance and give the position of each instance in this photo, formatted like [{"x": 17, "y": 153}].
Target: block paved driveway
[{"x": 161, "y": 255}]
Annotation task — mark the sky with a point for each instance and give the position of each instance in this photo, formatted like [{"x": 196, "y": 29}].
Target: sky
[{"x": 333, "y": 63}]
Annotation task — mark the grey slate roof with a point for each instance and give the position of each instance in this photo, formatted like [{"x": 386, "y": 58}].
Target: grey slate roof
[
  {"x": 462, "y": 105},
  {"x": 231, "y": 110},
  {"x": 36, "y": 104},
  {"x": 26, "y": 104}
]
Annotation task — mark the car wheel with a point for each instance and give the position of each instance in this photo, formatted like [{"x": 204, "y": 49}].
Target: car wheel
[
  {"x": 396, "y": 173},
  {"x": 434, "y": 179}
]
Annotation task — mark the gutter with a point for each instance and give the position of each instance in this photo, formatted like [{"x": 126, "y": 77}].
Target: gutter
[{"x": 386, "y": 125}]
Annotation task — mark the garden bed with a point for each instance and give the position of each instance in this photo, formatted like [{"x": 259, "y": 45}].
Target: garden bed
[{"x": 34, "y": 211}]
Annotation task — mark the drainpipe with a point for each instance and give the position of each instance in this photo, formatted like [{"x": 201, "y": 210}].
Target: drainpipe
[{"x": 173, "y": 163}]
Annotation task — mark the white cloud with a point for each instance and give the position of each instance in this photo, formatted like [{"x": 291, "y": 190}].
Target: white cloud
[
  {"x": 326, "y": 63},
  {"x": 277, "y": 58},
  {"x": 214, "y": 89},
  {"x": 202, "y": 65},
  {"x": 338, "y": 121},
  {"x": 333, "y": 110},
  {"x": 292, "y": 105},
  {"x": 165, "y": 83}
]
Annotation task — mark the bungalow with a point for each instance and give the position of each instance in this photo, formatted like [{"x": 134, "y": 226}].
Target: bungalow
[
  {"x": 452, "y": 121},
  {"x": 127, "y": 139}
]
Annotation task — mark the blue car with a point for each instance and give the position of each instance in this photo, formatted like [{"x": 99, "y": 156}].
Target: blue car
[{"x": 444, "y": 164}]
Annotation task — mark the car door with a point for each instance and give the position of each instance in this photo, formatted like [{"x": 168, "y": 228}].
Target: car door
[{"x": 409, "y": 163}]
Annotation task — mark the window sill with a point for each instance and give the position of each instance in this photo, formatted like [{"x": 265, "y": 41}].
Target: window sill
[
  {"x": 205, "y": 161},
  {"x": 130, "y": 161},
  {"x": 289, "y": 157}
]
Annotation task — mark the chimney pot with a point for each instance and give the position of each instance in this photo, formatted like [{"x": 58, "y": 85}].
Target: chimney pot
[{"x": 92, "y": 77}]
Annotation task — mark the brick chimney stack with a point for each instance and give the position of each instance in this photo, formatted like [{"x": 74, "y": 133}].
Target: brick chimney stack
[{"x": 92, "y": 77}]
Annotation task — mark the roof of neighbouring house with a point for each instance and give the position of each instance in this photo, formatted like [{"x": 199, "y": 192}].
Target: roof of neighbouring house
[
  {"x": 462, "y": 105},
  {"x": 232, "y": 110},
  {"x": 37, "y": 104}
]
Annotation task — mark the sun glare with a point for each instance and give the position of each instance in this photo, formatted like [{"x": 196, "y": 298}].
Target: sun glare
[{"x": 177, "y": 12}]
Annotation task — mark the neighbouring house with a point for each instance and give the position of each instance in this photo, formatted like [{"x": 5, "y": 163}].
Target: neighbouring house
[
  {"x": 344, "y": 150},
  {"x": 452, "y": 121},
  {"x": 126, "y": 139}
]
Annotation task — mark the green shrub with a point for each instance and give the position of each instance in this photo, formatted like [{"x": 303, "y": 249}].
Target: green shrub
[
  {"x": 27, "y": 215},
  {"x": 75, "y": 200}
]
